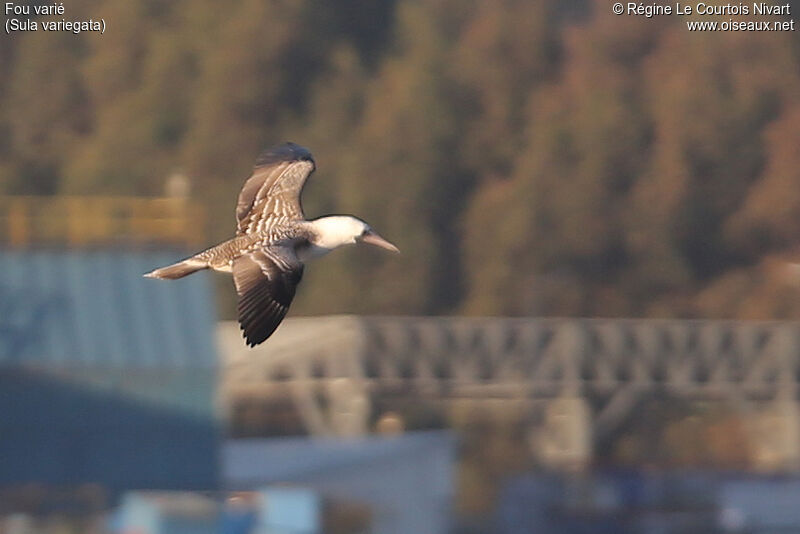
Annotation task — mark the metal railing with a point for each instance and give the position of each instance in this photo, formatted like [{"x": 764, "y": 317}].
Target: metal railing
[{"x": 96, "y": 220}]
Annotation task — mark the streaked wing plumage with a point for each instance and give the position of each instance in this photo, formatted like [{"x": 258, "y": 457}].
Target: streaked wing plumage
[
  {"x": 273, "y": 190},
  {"x": 266, "y": 281}
]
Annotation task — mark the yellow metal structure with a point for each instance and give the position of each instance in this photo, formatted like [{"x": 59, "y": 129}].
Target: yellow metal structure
[{"x": 99, "y": 220}]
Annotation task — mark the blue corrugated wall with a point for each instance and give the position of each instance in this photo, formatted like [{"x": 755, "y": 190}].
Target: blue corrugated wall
[
  {"x": 96, "y": 308},
  {"x": 105, "y": 376}
]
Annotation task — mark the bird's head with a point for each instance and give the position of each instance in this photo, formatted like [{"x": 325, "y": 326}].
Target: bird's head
[{"x": 337, "y": 230}]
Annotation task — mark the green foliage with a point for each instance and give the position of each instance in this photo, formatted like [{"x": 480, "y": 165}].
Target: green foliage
[{"x": 527, "y": 157}]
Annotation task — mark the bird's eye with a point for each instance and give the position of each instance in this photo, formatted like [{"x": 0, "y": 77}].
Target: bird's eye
[{"x": 365, "y": 232}]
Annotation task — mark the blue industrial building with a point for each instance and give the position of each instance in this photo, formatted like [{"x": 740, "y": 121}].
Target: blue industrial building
[
  {"x": 105, "y": 377},
  {"x": 405, "y": 481},
  {"x": 391, "y": 485}
]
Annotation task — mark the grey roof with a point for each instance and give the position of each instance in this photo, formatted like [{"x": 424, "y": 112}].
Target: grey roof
[{"x": 252, "y": 463}]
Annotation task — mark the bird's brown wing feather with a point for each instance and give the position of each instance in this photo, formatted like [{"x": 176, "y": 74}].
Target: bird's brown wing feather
[
  {"x": 266, "y": 281},
  {"x": 274, "y": 187}
]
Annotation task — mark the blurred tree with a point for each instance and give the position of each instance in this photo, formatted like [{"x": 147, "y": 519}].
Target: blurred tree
[
  {"x": 395, "y": 175},
  {"x": 138, "y": 79},
  {"x": 549, "y": 239},
  {"x": 707, "y": 154},
  {"x": 238, "y": 103},
  {"x": 528, "y": 157},
  {"x": 680, "y": 434},
  {"x": 337, "y": 104},
  {"x": 365, "y": 24},
  {"x": 42, "y": 125},
  {"x": 769, "y": 218},
  {"x": 625, "y": 199},
  {"x": 503, "y": 49}
]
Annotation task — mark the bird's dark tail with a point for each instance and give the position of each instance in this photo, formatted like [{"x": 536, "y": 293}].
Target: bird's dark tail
[{"x": 178, "y": 270}]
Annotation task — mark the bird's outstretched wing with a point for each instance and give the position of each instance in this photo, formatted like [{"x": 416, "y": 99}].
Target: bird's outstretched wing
[
  {"x": 265, "y": 281},
  {"x": 273, "y": 190}
]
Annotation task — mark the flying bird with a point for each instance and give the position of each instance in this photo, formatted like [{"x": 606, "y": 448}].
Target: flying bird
[{"x": 273, "y": 241}]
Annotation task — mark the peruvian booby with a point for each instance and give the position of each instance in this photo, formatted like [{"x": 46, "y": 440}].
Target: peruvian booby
[{"x": 273, "y": 241}]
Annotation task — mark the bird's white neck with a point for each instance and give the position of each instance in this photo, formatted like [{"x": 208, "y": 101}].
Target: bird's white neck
[{"x": 332, "y": 232}]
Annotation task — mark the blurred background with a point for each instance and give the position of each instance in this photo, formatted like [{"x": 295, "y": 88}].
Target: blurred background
[{"x": 592, "y": 326}]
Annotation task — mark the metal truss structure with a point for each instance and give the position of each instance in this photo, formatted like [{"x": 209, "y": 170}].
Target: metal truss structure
[{"x": 333, "y": 366}]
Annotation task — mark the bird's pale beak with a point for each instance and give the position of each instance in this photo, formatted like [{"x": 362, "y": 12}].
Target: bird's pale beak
[{"x": 374, "y": 239}]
